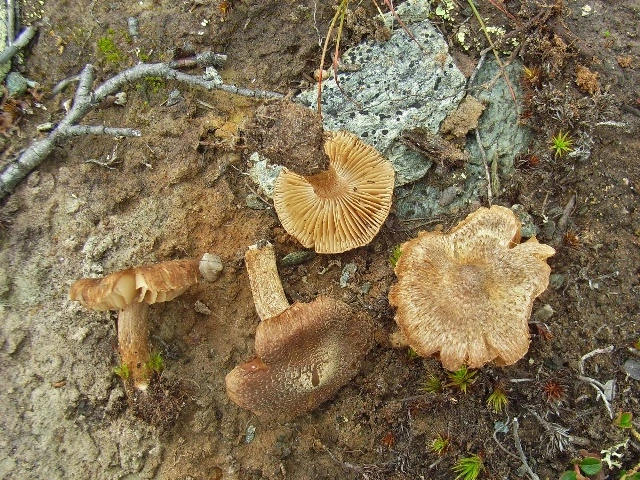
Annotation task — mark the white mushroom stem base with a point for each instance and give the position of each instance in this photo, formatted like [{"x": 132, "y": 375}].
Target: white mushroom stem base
[
  {"x": 133, "y": 342},
  {"x": 268, "y": 294}
]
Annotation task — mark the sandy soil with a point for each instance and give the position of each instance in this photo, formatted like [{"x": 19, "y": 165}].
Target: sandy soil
[{"x": 181, "y": 190}]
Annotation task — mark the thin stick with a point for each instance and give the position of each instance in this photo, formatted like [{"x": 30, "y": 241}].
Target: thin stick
[
  {"x": 20, "y": 42},
  {"x": 324, "y": 51},
  {"x": 523, "y": 458},
  {"x": 598, "y": 386},
  {"x": 77, "y": 130},
  {"x": 486, "y": 167},
  {"x": 11, "y": 21},
  {"x": 495, "y": 52}
]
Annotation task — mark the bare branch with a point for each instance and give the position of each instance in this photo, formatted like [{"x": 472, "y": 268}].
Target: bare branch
[
  {"x": 85, "y": 100},
  {"x": 20, "y": 42},
  {"x": 516, "y": 438},
  {"x": 77, "y": 130}
]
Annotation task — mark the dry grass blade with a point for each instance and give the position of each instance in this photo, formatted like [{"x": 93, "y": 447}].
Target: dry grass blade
[
  {"x": 340, "y": 13},
  {"x": 495, "y": 52}
]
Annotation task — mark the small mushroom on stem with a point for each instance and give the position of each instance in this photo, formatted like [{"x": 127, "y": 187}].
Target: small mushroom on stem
[
  {"x": 305, "y": 352},
  {"x": 130, "y": 292}
]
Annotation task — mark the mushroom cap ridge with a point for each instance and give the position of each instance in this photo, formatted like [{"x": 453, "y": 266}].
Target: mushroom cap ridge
[
  {"x": 304, "y": 356},
  {"x": 342, "y": 208},
  {"x": 468, "y": 294}
]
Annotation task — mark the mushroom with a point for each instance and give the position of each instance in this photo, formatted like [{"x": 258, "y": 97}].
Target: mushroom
[
  {"x": 468, "y": 294},
  {"x": 305, "y": 352},
  {"x": 131, "y": 291},
  {"x": 343, "y": 207}
]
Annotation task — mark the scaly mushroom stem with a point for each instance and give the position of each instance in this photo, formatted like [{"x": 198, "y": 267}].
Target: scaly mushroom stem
[
  {"x": 268, "y": 295},
  {"x": 133, "y": 340}
]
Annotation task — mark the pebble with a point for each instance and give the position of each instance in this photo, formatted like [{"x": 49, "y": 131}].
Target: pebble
[
  {"x": 632, "y": 368},
  {"x": 348, "y": 270},
  {"x": 200, "y": 307},
  {"x": 250, "y": 434},
  {"x": 543, "y": 314},
  {"x": 296, "y": 258},
  {"x": 16, "y": 84},
  {"x": 210, "y": 267}
]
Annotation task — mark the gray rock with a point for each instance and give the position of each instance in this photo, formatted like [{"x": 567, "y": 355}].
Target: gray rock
[
  {"x": 556, "y": 280},
  {"x": 16, "y": 84},
  {"x": 528, "y": 228},
  {"x": 503, "y": 139},
  {"x": 543, "y": 314},
  {"x": 347, "y": 272},
  {"x": 394, "y": 86},
  {"x": 263, "y": 174},
  {"x": 502, "y": 136},
  {"x": 632, "y": 368}
]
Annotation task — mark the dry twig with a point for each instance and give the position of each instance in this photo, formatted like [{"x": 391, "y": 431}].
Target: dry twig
[
  {"x": 86, "y": 99},
  {"x": 23, "y": 39},
  {"x": 599, "y": 387}
]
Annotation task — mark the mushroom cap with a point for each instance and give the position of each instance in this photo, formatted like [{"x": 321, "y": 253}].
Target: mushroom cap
[
  {"x": 150, "y": 283},
  {"x": 468, "y": 294},
  {"x": 342, "y": 208},
  {"x": 304, "y": 356}
]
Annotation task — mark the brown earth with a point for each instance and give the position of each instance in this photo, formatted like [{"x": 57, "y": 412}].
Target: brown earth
[{"x": 181, "y": 190}]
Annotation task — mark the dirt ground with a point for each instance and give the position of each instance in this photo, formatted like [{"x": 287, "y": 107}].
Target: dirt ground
[{"x": 181, "y": 190}]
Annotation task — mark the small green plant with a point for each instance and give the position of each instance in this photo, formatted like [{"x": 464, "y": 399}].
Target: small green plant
[
  {"x": 637, "y": 344},
  {"x": 440, "y": 444},
  {"x": 468, "y": 468},
  {"x": 498, "y": 400},
  {"x": 109, "y": 50},
  {"x": 431, "y": 385},
  {"x": 395, "y": 256},
  {"x": 461, "y": 378},
  {"x": 155, "y": 364},
  {"x": 122, "y": 371},
  {"x": 588, "y": 466},
  {"x": 412, "y": 354},
  {"x": 623, "y": 420},
  {"x": 152, "y": 84},
  {"x": 561, "y": 143}
]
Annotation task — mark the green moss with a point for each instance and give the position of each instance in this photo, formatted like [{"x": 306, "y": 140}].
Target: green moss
[{"x": 109, "y": 51}]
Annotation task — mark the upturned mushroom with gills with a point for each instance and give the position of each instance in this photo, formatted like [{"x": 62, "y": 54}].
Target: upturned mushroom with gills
[
  {"x": 305, "y": 352},
  {"x": 467, "y": 295},
  {"x": 343, "y": 207},
  {"x": 130, "y": 292}
]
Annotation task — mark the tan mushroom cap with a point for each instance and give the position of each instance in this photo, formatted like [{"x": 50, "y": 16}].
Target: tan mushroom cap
[
  {"x": 304, "y": 356},
  {"x": 342, "y": 208},
  {"x": 161, "y": 282},
  {"x": 468, "y": 294}
]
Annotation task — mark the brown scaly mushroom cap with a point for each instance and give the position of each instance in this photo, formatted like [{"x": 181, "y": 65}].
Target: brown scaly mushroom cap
[
  {"x": 342, "y": 208},
  {"x": 305, "y": 352},
  {"x": 468, "y": 294},
  {"x": 131, "y": 291}
]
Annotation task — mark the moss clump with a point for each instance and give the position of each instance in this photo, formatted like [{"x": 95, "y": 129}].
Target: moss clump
[{"x": 109, "y": 51}]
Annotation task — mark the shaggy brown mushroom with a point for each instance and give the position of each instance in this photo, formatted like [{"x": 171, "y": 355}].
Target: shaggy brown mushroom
[
  {"x": 342, "y": 208},
  {"x": 131, "y": 291},
  {"x": 304, "y": 352},
  {"x": 468, "y": 294}
]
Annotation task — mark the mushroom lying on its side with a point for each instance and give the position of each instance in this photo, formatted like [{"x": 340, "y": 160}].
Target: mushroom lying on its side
[
  {"x": 467, "y": 295},
  {"x": 305, "y": 352},
  {"x": 131, "y": 291}
]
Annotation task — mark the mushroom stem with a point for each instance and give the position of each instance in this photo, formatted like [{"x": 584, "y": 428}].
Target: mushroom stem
[
  {"x": 133, "y": 340},
  {"x": 268, "y": 295}
]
